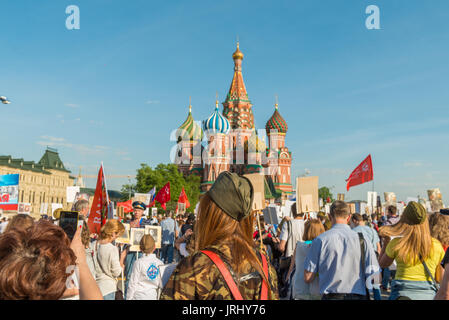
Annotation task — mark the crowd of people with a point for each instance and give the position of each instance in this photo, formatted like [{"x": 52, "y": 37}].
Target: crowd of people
[{"x": 228, "y": 251}]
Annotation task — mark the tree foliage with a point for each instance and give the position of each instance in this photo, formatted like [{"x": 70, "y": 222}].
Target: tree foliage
[
  {"x": 324, "y": 193},
  {"x": 148, "y": 177}
]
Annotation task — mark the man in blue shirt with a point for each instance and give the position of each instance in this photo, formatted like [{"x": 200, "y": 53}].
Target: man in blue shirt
[
  {"x": 168, "y": 238},
  {"x": 370, "y": 235},
  {"x": 335, "y": 256}
]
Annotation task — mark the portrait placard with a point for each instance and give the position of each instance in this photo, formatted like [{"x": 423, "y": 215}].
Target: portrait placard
[
  {"x": 257, "y": 180},
  {"x": 156, "y": 233},
  {"x": 307, "y": 187},
  {"x": 136, "y": 236},
  {"x": 124, "y": 238}
]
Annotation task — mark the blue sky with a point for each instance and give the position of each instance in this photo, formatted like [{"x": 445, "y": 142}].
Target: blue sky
[{"x": 115, "y": 89}]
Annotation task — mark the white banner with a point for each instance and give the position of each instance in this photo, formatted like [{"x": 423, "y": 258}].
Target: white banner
[
  {"x": 372, "y": 199},
  {"x": 71, "y": 193},
  {"x": 44, "y": 208},
  {"x": 24, "y": 208}
]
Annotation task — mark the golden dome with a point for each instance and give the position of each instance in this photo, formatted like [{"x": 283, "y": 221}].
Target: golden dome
[{"x": 237, "y": 54}]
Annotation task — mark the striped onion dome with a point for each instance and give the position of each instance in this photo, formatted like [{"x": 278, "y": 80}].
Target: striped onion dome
[
  {"x": 276, "y": 122},
  {"x": 217, "y": 123},
  {"x": 194, "y": 131}
]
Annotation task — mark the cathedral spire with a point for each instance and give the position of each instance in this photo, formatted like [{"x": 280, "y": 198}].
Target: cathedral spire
[{"x": 237, "y": 106}]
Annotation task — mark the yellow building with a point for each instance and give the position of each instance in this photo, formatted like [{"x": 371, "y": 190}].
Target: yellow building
[{"x": 44, "y": 182}]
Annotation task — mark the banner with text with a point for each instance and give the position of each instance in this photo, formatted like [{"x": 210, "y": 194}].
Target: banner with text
[{"x": 9, "y": 191}]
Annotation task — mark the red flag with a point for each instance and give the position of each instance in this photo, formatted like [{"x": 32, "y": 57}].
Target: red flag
[
  {"x": 183, "y": 198},
  {"x": 163, "y": 196},
  {"x": 127, "y": 206},
  {"x": 99, "y": 211},
  {"x": 363, "y": 173}
]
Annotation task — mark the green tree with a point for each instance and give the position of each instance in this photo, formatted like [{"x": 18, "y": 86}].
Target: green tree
[
  {"x": 148, "y": 177},
  {"x": 324, "y": 193}
]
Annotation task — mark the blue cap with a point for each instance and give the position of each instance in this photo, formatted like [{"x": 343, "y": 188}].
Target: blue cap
[{"x": 139, "y": 205}]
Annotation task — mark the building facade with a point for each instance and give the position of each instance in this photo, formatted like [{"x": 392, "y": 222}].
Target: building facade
[
  {"x": 232, "y": 144},
  {"x": 44, "y": 182}
]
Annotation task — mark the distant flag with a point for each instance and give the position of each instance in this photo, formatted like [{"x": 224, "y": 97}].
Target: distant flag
[
  {"x": 152, "y": 194},
  {"x": 183, "y": 198},
  {"x": 163, "y": 196},
  {"x": 363, "y": 173},
  {"x": 127, "y": 206},
  {"x": 99, "y": 211}
]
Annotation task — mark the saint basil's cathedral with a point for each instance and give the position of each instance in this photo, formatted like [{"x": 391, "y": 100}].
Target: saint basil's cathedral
[{"x": 233, "y": 144}]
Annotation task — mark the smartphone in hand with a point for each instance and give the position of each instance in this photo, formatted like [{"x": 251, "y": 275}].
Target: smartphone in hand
[{"x": 69, "y": 222}]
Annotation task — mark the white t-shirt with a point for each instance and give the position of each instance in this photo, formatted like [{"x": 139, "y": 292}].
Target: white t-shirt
[
  {"x": 297, "y": 231},
  {"x": 145, "y": 281},
  {"x": 107, "y": 267}
]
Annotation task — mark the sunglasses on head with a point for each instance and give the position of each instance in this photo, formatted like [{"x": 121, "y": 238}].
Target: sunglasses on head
[{"x": 444, "y": 211}]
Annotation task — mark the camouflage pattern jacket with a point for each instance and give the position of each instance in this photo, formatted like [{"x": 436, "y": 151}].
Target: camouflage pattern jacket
[{"x": 197, "y": 278}]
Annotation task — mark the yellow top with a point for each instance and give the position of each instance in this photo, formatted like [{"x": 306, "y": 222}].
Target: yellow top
[{"x": 416, "y": 272}]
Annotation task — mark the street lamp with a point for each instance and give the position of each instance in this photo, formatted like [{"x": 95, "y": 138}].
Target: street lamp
[{"x": 4, "y": 100}]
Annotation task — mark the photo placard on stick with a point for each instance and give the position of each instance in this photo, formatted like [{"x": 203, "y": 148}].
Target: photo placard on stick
[
  {"x": 307, "y": 194},
  {"x": 341, "y": 197},
  {"x": 156, "y": 233},
  {"x": 257, "y": 180},
  {"x": 136, "y": 236},
  {"x": 124, "y": 238}
]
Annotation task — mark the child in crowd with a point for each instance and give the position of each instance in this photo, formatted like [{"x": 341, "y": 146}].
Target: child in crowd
[{"x": 146, "y": 281}]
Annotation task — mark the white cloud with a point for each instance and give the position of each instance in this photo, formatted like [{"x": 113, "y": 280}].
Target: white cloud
[
  {"x": 61, "y": 142},
  {"x": 413, "y": 164},
  {"x": 71, "y": 105}
]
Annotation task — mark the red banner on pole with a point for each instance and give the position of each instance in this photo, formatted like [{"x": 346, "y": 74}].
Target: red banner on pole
[
  {"x": 127, "y": 206},
  {"x": 183, "y": 198},
  {"x": 363, "y": 173},
  {"x": 163, "y": 196},
  {"x": 99, "y": 211}
]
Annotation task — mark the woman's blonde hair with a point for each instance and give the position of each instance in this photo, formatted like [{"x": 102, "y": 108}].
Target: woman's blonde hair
[
  {"x": 147, "y": 244},
  {"x": 111, "y": 228},
  {"x": 312, "y": 229},
  {"x": 415, "y": 241}
]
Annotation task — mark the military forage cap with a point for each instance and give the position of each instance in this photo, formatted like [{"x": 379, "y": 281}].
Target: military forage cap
[
  {"x": 233, "y": 194},
  {"x": 415, "y": 213},
  {"x": 139, "y": 205}
]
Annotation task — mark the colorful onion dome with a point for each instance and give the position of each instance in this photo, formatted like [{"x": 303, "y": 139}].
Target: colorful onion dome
[
  {"x": 191, "y": 128},
  {"x": 237, "y": 54},
  {"x": 276, "y": 122},
  {"x": 217, "y": 123},
  {"x": 255, "y": 144}
]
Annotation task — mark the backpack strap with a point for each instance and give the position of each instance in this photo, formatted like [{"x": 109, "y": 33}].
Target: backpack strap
[
  {"x": 225, "y": 273},
  {"x": 264, "y": 291},
  {"x": 363, "y": 252}
]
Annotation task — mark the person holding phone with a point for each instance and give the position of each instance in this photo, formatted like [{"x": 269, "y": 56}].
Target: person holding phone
[
  {"x": 107, "y": 261},
  {"x": 29, "y": 254}
]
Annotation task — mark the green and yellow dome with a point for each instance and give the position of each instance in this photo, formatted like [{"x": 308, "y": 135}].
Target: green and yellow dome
[{"x": 189, "y": 130}]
